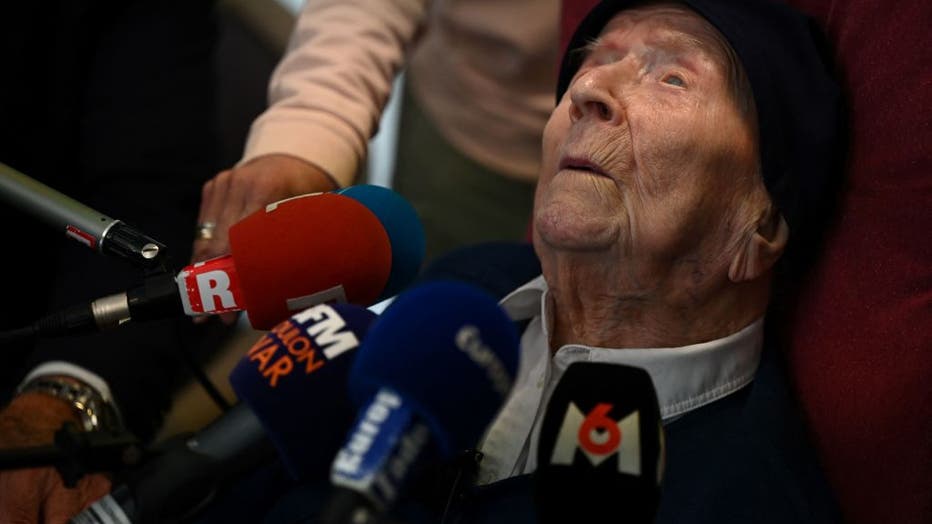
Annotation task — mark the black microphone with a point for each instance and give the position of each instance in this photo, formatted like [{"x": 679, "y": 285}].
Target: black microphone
[
  {"x": 79, "y": 222},
  {"x": 601, "y": 447},
  {"x": 185, "y": 474},
  {"x": 292, "y": 384}
]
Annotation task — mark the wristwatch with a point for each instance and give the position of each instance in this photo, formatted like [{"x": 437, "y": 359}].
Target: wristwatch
[{"x": 93, "y": 410}]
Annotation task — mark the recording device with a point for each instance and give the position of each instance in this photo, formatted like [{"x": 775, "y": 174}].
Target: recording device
[
  {"x": 434, "y": 370},
  {"x": 317, "y": 248},
  {"x": 601, "y": 448},
  {"x": 292, "y": 387},
  {"x": 79, "y": 222}
]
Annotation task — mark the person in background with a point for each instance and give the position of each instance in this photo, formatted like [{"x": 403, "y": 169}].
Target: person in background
[{"x": 479, "y": 76}]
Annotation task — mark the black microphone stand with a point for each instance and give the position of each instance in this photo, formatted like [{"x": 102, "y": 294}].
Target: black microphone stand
[{"x": 76, "y": 453}]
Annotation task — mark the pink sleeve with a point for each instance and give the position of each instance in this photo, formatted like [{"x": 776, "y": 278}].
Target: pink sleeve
[{"x": 327, "y": 93}]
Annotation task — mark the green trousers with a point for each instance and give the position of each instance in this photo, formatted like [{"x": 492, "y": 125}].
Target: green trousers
[{"x": 459, "y": 201}]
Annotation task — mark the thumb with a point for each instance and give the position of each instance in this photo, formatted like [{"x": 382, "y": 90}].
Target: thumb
[{"x": 64, "y": 503}]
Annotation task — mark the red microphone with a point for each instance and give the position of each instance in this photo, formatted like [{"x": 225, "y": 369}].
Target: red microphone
[
  {"x": 289, "y": 256},
  {"x": 308, "y": 250}
]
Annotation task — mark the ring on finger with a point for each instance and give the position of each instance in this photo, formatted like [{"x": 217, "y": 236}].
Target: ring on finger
[{"x": 205, "y": 230}]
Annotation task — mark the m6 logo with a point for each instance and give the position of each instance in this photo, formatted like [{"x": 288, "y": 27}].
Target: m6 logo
[{"x": 598, "y": 436}]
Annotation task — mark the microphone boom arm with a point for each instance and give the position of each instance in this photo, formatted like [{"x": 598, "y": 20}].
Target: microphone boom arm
[{"x": 95, "y": 230}]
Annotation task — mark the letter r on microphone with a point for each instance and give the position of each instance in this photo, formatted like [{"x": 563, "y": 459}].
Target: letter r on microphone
[{"x": 210, "y": 287}]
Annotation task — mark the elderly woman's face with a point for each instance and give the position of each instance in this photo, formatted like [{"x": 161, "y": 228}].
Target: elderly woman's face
[{"x": 647, "y": 149}]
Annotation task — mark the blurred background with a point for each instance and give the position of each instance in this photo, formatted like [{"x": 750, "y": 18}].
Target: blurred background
[{"x": 253, "y": 37}]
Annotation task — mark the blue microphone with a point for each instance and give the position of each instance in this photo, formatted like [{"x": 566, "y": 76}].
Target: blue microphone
[
  {"x": 434, "y": 370},
  {"x": 292, "y": 390},
  {"x": 294, "y": 380},
  {"x": 405, "y": 232}
]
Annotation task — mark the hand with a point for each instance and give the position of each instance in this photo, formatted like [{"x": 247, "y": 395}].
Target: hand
[
  {"x": 38, "y": 494},
  {"x": 238, "y": 192}
]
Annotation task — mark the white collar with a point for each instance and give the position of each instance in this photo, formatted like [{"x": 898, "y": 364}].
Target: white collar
[{"x": 685, "y": 378}]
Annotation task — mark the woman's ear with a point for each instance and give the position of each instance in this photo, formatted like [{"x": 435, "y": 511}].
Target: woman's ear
[{"x": 761, "y": 248}]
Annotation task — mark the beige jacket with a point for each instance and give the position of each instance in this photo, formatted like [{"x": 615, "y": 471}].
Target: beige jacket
[{"x": 483, "y": 70}]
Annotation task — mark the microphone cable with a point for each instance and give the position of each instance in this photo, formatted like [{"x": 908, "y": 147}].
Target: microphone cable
[
  {"x": 197, "y": 370},
  {"x": 19, "y": 341},
  {"x": 22, "y": 334}
]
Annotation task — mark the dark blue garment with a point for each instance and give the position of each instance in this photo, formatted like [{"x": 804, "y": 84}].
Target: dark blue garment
[{"x": 743, "y": 459}]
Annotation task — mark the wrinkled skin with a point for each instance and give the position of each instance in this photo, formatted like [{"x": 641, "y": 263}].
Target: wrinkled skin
[{"x": 649, "y": 188}]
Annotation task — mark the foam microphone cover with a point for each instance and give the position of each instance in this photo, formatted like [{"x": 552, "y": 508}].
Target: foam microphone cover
[
  {"x": 601, "y": 447},
  {"x": 305, "y": 250},
  {"x": 449, "y": 351},
  {"x": 294, "y": 380},
  {"x": 405, "y": 232}
]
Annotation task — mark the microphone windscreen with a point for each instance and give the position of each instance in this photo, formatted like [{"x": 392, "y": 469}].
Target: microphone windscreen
[
  {"x": 405, "y": 232},
  {"x": 308, "y": 250},
  {"x": 600, "y": 447},
  {"x": 294, "y": 380},
  {"x": 449, "y": 351}
]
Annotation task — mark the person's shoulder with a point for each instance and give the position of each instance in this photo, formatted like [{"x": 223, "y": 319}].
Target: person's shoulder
[{"x": 745, "y": 458}]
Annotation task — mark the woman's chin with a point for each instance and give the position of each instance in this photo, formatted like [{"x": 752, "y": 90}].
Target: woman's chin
[{"x": 561, "y": 228}]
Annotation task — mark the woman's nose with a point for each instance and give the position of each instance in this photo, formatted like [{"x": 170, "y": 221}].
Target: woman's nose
[{"x": 596, "y": 95}]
